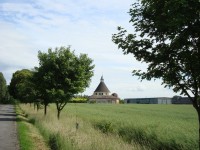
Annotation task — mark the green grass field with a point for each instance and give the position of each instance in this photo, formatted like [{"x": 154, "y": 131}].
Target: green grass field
[{"x": 107, "y": 126}]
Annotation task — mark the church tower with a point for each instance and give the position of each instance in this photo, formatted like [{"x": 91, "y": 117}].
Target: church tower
[{"x": 102, "y": 94}]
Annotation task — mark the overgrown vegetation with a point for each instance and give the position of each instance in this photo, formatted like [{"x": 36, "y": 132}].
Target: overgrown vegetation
[
  {"x": 119, "y": 127},
  {"x": 5, "y": 97},
  {"x": 29, "y": 137}
]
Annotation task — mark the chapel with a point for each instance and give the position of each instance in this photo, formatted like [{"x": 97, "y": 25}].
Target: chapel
[{"x": 102, "y": 94}]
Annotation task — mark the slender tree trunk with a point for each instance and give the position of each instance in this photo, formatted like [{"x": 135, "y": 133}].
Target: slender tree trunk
[
  {"x": 37, "y": 106},
  {"x": 198, "y": 111},
  {"x": 45, "y": 109},
  {"x": 58, "y": 114}
]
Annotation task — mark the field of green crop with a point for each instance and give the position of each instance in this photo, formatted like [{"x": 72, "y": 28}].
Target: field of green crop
[{"x": 107, "y": 126}]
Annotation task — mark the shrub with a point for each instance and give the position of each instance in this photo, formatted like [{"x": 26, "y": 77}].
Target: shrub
[{"x": 104, "y": 126}]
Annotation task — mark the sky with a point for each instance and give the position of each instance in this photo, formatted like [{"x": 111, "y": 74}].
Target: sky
[{"x": 27, "y": 26}]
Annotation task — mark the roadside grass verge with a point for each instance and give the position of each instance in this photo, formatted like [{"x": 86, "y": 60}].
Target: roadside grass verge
[
  {"x": 29, "y": 137},
  {"x": 63, "y": 135},
  {"x": 116, "y": 127}
]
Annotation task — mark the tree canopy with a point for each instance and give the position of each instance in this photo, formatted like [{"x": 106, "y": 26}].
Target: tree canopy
[
  {"x": 167, "y": 39},
  {"x": 3, "y": 87},
  {"x": 62, "y": 74},
  {"x": 21, "y": 86}
]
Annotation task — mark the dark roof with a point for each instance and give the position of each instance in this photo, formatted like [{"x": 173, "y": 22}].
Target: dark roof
[
  {"x": 102, "y": 86},
  {"x": 115, "y": 94}
]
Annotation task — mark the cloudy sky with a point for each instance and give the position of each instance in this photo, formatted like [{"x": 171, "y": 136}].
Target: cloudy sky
[{"x": 27, "y": 26}]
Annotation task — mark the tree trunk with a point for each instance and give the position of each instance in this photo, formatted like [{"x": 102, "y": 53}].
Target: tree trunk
[
  {"x": 198, "y": 111},
  {"x": 58, "y": 114},
  {"x": 37, "y": 106},
  {"x": 45, "y": 109}
]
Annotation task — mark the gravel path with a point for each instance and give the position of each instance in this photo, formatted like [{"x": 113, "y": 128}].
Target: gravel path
[{"x": 8, "y": 131}]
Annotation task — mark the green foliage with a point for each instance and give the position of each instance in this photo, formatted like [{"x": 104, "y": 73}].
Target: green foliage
[
  {"x": 25, "y": 141},
  {"x": 167, "y": 39},
  {"x": 3, "y": 88},
  {"x": 104, "y": 126},
  {"x": 137, "y": 134},
  {"x": 21, "y": 86},
  {"x": 62, "y": 74},
  {"x": 53, "y": 142},
  {"x": 121, "y": 101},
  {"x": 79, "y": 99}
]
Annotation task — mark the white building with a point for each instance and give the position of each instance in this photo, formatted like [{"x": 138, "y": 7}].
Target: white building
[{"x": 102, "y": 94}]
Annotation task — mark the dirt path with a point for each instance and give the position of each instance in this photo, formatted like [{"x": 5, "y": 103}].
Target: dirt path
[{"x": 8, "y": 132}]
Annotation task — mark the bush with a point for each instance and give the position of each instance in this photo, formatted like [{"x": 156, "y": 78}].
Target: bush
[
  {"x": 53, "y": 142},
  {"x": 104, "y": 126},
  {"x": 32, "y": 121}
]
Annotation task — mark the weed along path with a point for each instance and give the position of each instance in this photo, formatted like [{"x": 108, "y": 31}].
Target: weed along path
[{"x": 8, "y": 131}]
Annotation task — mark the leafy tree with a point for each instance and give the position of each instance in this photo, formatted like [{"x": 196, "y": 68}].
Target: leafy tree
[
  {"x": 62, "y": 74},
  {"x": 41, "y": 82},
  {"x": 3, "y": 88},
  {"x": 167, "y": 39},
  {"x": 21, "y": 86}
]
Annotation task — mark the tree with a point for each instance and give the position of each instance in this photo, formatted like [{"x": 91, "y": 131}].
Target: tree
[
  {"x": 3, "y": 88},
  {"x": 61, "y": 74},
  {"x": 167, "y": 39},
  {"x": 21, "y": 86}
]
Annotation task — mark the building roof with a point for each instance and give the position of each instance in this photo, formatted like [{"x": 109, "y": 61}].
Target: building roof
[{"x": 102, "y": 86}]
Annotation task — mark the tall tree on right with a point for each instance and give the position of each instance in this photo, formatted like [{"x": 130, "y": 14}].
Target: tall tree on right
[{"x": 167, "y": 39}]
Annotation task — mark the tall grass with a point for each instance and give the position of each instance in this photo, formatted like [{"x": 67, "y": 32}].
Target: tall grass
[
  {"x": 29, "y": 137},
  {"x": 104, "y": 126}
]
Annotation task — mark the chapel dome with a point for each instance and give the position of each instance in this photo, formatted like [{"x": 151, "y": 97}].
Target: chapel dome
[{"x": 115, "y": 94}]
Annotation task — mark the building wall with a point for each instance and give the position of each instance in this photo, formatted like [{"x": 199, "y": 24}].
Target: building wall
[
  {"x": 141, "y": 100},
  {"x": 181, "y": 100},
  {"x": 148, "y": 100},
  {"x": 105, "y": 101},
  {"x": 164, "y": 100}
]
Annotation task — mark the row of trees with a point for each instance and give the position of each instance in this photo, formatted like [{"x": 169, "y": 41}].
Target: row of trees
[
  {"x": 60, "y": 76},
  {"x": 4, "y": 95}
]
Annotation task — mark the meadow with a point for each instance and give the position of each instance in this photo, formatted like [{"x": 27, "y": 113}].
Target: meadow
[{"x": 116, "y": 127}]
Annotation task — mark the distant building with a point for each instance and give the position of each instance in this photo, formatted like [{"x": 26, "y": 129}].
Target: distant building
[
  {"x": 158, "y": 100},
  {"x": 102, "y": 94},
  {"x": 181, "y": 100}
]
